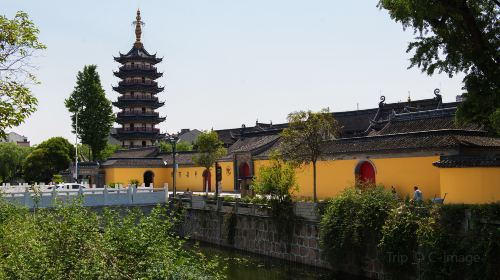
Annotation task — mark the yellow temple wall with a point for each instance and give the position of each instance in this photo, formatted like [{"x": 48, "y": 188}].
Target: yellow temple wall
[
  {"x": 124, "y": 175},
  {"x": 407, "y": 172},
  {"x": 333, "y": 176},
  {"x": 470, "y": 185},
  {"x": 192, "y": 177}
]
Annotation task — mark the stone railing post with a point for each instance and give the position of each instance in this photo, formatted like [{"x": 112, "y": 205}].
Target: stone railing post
[
  {"x": 236, "y": 205},
  {"x": 130, "y": 194},
  {"x": 165, "y": 191},
  {"x": 27, "y": 197},
  {"x": 105, "y": 195}
]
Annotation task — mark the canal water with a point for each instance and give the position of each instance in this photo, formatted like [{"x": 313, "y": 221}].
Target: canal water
[{"x": 248, "y": 266}]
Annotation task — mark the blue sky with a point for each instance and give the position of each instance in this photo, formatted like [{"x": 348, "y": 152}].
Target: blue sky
[{"x": 228, "y": 63}]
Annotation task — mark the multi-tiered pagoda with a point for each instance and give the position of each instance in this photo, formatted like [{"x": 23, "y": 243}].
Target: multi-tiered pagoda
[{"x": 138, "y": 100}]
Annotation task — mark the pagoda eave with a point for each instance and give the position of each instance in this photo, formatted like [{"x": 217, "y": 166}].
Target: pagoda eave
[
  {"x": 124, "y": 104},
  {"x": 143, "y": 88},
  {"x": 142, "y": 119},
  {"x": 152, "y": 74}
]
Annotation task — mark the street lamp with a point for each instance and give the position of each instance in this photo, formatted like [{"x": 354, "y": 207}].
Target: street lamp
[
  {"x": 173, "y": 139},
  {"x": 75, "y": 176}
]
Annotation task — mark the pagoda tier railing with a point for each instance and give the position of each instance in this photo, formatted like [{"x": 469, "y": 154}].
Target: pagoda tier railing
[
  {"x": 137, "y": 129},
  {"x": 137, "y": 97},
  {"x": 137, "y": 67},
  {"x": 138, "y": 113},
  {"x": 137, "y": 82}
]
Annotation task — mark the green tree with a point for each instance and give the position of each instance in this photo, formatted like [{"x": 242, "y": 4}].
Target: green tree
[
  {"x": 47, "y": 159},
  {"x": 457, "y": 36},
  {"x": 302, "y": 142},
  {"x": 18, "y": 42},
  {"x": 95, "y": 113},
  {"x": 277, "y": 180},
  {"x": 209, "y": 149},
  {"x": 12, "y": 158},
  {"x": 181, "y": 146}
]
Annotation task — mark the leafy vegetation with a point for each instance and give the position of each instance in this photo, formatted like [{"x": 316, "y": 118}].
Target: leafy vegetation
[
  {"x": 455, "y": 37},
  {"x": 425, "y": 239},
  {"x": 277, "y": 183},
  {"x": 12, "y": 158},
  {"x": 181, "y": 146},
  {"x": 94, "y": 110},
  {"x": 47, "y": 159},
  {"x": 302, "y": 141},
  {"x": 209, "y": 149},
  {"x": 72, "y": 242},
  {"x": 18, "y": 43},
  {"x": 353, "y": 220}
]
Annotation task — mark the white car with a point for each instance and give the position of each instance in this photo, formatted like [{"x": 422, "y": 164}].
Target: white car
[{"x": 68, "y": 186}]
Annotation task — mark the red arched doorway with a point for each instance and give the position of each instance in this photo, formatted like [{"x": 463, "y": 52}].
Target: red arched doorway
[
  {"x": 244, "y": 170},
  {"x": 365, "y": 172},
  {"x": 207, "y": 180}
]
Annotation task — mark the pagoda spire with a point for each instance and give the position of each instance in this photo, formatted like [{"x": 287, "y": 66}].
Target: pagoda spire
[{"x": 138, "y": 30}]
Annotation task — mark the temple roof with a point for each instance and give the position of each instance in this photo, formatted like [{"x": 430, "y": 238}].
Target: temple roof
[{"x": 138, "y": 54}]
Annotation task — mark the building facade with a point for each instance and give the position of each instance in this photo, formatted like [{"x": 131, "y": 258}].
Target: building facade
[{"x": 398, "y": 145}]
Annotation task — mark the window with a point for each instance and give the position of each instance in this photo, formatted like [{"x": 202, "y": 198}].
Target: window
[{"x": 144, "y": 143}]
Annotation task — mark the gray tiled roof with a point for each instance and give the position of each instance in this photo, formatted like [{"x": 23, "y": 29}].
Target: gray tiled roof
[{"x": 133, "y": 162}]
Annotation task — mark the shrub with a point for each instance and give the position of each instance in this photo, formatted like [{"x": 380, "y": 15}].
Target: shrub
[
  {"x": 71, "y": 242},
  {"x": 134, "y": 182},
  {"x": 352, "y": 219}
]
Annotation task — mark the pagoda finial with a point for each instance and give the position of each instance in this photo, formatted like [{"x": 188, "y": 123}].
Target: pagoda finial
[{"x": 138, "y": 30}]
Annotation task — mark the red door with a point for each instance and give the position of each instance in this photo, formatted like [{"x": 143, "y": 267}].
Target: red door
[{"x": 367, "y": 173}]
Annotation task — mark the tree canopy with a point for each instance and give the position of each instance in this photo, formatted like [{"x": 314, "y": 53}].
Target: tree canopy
[
  {"x": 47, "y": 159},
  {"x": 18, "y": 42},
  {"x": 12, "y": 159},
  {"x": 302, "y": 141},
  {"x": 209, "y": 148},
  {"x": 95, "y": 113},
  {"x": 181, "y": 146},
  {"x": 455, "y": 36}
]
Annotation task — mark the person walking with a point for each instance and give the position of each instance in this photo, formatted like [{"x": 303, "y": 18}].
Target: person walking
[{"x": 417, "y": 195}]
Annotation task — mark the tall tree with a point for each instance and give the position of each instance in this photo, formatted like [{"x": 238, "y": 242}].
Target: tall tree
[
  {"x": 47, "y": 159},
  {"x": 457, "y": 36},
  {"x": 18, "y": 43},
  {"x": 209, "y": 149},
  {"x": 302, "y": 141},
  {"x": 94, "y": 110},
  {"x": 12, "y": 158},
  {"x": 181, "y": 146}
]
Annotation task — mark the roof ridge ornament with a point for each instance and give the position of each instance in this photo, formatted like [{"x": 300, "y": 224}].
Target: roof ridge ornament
[
  {"x": 138, "y": 30},
  {"x": 438, "y": 97}
]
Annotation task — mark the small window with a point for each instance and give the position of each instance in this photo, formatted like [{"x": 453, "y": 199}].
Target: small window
[
  {"x": 75, "y": 187},
  {"x": 144, "y": 143},
  {"x": 143, "y": 80}
]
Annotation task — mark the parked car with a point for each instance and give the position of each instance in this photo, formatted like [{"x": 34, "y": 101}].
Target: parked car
[{"x": 68, "y": 186}]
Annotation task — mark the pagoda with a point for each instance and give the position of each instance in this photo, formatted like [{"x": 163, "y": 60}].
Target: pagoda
[{"x": 138, "y": 95}]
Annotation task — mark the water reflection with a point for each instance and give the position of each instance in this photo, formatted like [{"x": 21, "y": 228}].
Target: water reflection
[{"x": 247, "y": 266}]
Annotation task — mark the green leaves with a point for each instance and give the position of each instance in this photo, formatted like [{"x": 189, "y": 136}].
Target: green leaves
[
  {"x": 209, "y": 149},
  {"x": 12, "y": 158},
  {"x": 18, "y": 42},
  {"x": 72, "y": 242},
  {"x": 95, "y": 113},
  {"x": 48, "y": 159},
  {"x": 277, "y": 180}
]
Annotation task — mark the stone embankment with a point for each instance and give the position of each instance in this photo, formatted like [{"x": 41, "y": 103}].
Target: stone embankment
[{"x": 251, "y": 228}]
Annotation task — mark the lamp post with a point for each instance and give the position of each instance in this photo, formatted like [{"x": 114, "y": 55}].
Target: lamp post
[
  {"x": 173, "y": 141},
  {"x": 75, "y": 176}
]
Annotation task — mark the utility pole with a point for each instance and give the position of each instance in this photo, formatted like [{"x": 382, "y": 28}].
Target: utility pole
[{"x": 76, "y": 147}]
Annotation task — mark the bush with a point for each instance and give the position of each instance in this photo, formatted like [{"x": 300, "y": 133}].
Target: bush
[
  {"x": 71, "y": 242},
  {"x": 352, "y": 220}
]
